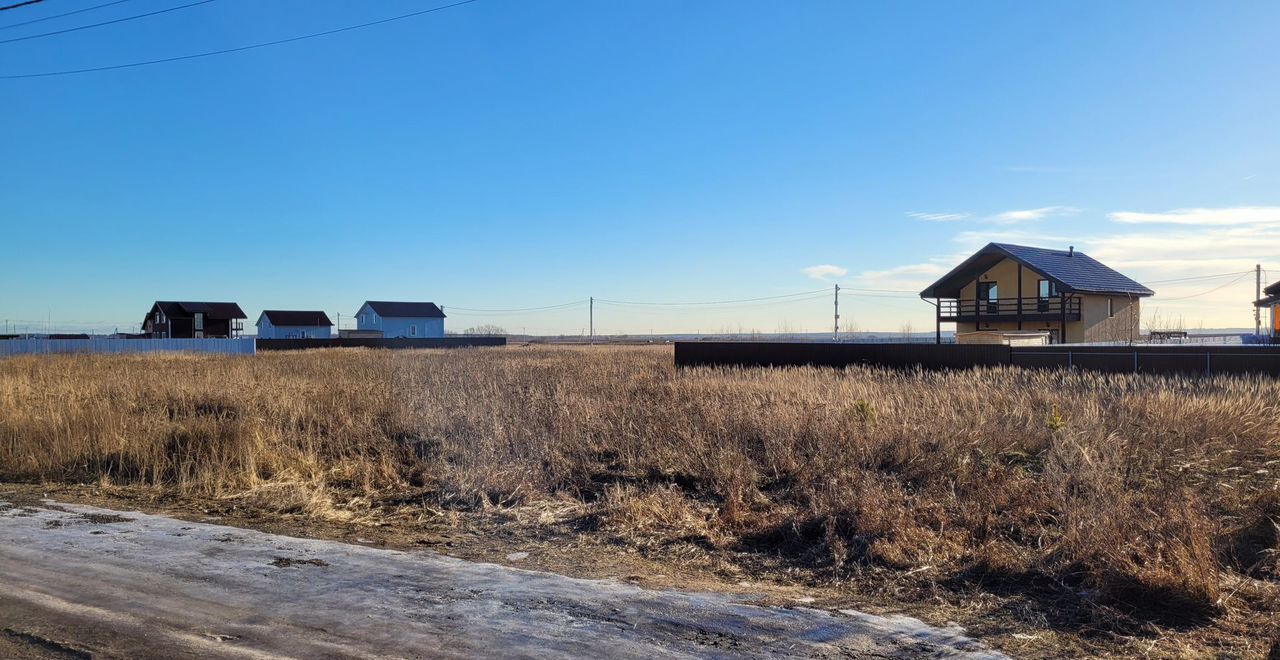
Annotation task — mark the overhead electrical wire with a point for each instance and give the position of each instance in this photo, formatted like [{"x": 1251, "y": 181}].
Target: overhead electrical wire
[
  {"x": 710, "y": 302},
  {"x": 69, "y": 13},
  {"x": 237, "y": 49},
  {"x": 104, "y": 23},
  {"x": 1199, "y": 277},
  {"x": 567, "y": 305},
  {"x": 658, "y": 311},
  {"x": 20, "y": 4},
  {"x": 1203, "y": 293}
]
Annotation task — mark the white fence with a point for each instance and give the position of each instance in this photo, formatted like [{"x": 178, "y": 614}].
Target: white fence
[{"x": 244, "y": 346}]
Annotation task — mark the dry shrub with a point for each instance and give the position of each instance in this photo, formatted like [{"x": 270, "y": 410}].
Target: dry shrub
[
  {"x": 659, "y": 513},
  {"x": 1137, "y": 495}
]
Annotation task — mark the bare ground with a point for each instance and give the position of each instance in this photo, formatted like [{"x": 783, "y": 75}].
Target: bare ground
[
  {"x": 88, "y": 582},
  {"x": 538, "y": 538}
]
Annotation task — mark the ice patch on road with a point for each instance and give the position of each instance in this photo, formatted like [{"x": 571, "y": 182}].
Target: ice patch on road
[{"x": 248, "y": 592}]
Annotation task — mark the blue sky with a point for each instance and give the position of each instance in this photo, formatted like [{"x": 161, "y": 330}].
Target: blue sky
[{"x": 512, "y": 154}]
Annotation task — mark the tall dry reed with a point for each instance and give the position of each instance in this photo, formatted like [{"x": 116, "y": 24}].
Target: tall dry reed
[{"x": 1154, "y": 496}]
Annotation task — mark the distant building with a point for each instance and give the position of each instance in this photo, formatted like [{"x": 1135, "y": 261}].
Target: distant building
[
  {"x": 1271, "y": 303},
  {"x": 401, "y": 319},
  {"x": 1066, "y": 293},
  {"x": 193, "y": 320},
  {"x": 289, "y": 324},
  {"x": 359, "y": 334}
]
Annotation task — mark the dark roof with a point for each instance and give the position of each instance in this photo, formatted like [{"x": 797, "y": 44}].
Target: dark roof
[
  {"x": 1072, "y": 271},
  {"x": 280, "y": 317},
  {"x": 213, "y": 310},
  {"x": 405, "y": 309},
  {"x": 1272, "y": 290}
]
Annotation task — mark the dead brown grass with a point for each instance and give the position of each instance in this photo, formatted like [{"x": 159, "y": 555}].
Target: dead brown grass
[{"x": 1115, "y": 505}]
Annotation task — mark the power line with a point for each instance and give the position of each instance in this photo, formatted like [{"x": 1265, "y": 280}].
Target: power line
[
  {"x": 238, "y": 48},
  {"x": 1199, "y": 277},
  {"x": 1202, "y": 293},
  {"x": 20, "y": 4},
  {"x": 110, "y": 22},
  {"x": 913, "y": 293},
  {"x": 62, "y": 15},
  {"x": 50, "y": 18},
  {"x": 660, "y": 311},
  {"x": 521, "y": 309},
  {"x": 711, "y": 302}
]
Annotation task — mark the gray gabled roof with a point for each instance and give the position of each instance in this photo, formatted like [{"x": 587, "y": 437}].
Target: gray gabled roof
[
  {"x": 1072, "y": 271},
  {"x": 282, "y": 317},
  {"x": 415, "y": 310}
]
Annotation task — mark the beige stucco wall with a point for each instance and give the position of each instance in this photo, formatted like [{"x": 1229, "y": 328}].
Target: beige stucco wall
[
  {"x": 1094, "y": 325},
  {"x": 1005, "y": 275}
]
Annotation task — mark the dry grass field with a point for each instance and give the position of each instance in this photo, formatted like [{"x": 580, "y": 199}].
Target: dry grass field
[{"x": 1097, "y": 514}]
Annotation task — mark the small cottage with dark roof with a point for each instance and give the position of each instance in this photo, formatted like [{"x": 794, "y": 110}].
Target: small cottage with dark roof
[
  {"x": 292, "y": 324},
  {"x": 193, "y": 320},
  {"x": 401, "y": 319},
  {"x": 1009, "y": 288}
]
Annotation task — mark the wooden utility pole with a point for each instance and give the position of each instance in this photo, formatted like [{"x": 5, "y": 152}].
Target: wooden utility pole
[
  {"x": 591, "y": 317},
  {"x": 837, "y": 319},
  {"x": 1257, "y": 295}
]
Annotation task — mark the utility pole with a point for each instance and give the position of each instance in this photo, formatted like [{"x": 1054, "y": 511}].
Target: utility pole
[
  {"x": 1257, "y": 295},
  {"x": 837, "y": 319},
  {"x": 591, "y": 317}
]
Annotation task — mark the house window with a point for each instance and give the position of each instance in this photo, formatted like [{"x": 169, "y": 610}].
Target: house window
[
  {"x": 989, "y": 292},
  {"x": 199, "y": 334},
  {"x": 1047, "y": 291},
  {"x": 413, "y": 331},
  {"x": 1111, "y": 308},
  {"x": 199, "y": 320}
]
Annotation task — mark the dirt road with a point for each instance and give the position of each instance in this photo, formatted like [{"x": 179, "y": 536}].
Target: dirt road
[{"x": 83, "y": 582}]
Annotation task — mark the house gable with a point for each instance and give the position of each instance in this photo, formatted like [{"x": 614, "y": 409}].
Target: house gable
[{"x": 1069, "y": 270}]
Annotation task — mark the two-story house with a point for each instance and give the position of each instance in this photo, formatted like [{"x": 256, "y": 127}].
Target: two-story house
[
  {"x": 1066, "y": 293},
  {"x": 193, "y": 320},
  {"x": 401, "y": 319}
]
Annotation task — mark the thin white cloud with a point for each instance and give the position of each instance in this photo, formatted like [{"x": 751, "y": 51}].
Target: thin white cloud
[
  {"x": 937, "y": 217},
  {"x": 970, "y": 241},
  {"x": 1031, "y": 215},
  {"x": 906, "y": 278},
  {"x": 825, "y": 271},
  {"x": 1205, "y": 217}
]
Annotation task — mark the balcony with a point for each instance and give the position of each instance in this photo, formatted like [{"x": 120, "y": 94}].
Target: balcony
[{"x": 995, "y": 310}]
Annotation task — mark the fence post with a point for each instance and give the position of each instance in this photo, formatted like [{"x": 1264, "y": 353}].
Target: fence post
[
  {"x": 1208, "y": 363},
  {"x": 1070, "y": 361}
]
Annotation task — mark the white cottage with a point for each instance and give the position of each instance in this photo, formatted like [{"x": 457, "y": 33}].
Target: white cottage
[
  {"x": 401, "y": 319},
  {"x": 289, "y": 324}
]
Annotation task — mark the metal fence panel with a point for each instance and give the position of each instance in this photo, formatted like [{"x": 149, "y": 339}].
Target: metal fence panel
[
  {"x": 241, "y": 346},
  {"x": 777, "y": 354},
  {"x": 1185, "y": 359},
  {"x": 373, "y": 342},
  {"x": 1181, "y": 359}
]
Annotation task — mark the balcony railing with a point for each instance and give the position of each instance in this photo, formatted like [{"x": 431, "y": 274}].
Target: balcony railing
[{"x": 1010, "y": 309}]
